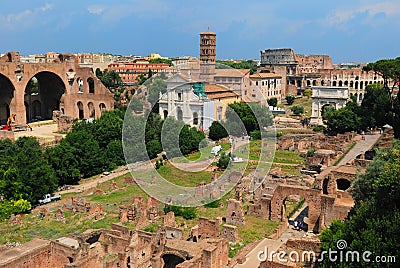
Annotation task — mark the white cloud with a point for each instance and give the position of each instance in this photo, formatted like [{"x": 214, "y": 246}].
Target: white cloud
[
  {"x": 46, "y": 7},
  {"x": 24, "y": 19},
  {"x": 97, "y": 10},
  {"x": 390, "y": 8}
]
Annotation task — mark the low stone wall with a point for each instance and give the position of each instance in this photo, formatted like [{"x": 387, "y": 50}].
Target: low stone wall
[
  {"x": 5, "y": 134},
  {"x": 304, "y": 244},
  {"x": 283, "y": 226}
]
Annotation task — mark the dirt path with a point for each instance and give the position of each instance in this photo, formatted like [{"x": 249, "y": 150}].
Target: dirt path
[{"x": 94, "y": 182}]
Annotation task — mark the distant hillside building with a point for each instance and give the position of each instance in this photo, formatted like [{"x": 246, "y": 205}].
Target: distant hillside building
[
  {"x": 300, "y": 71},
  {"x": 129, "y": 71}
]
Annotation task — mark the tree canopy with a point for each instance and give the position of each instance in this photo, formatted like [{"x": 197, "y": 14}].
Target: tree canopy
[
  {"x": 248, "y": 64},
  {"x": 374, "y": 111},
  {"x": 217, "y": 131},
  {"x": 24, "y": 171},
  {"x": 244, "y": 118},
  {"x": 389, "y": 69}
]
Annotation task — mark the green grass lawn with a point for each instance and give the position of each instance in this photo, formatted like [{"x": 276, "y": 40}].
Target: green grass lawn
[
  {"x": 184, "y": 178},
  {"x": 287, "y": 169},
  {"x": 288, "y": 157},
  {"x": 303, "y": 101},
  {"x": 256, "y": 229},
  {"x": 201, "y": 155}
]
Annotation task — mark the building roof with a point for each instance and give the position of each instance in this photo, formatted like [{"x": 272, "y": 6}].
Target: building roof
[
  {"x": 264, "y": 75},
  {"x": 208, "y": 32},
  {"x": 215, "y": 91},
  {"x": 230, "y": 72}
]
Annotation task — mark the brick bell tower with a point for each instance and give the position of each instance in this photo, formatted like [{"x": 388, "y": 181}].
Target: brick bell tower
[{"x": 207, "y": 56}]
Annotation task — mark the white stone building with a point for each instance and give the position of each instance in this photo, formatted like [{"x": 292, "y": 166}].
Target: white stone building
[{"x": 181, "y": 102}]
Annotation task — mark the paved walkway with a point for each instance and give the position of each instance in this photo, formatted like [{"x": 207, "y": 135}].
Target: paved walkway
[
  {"x": 267, "y": 246},
  {"x": 361, "y": 147}
]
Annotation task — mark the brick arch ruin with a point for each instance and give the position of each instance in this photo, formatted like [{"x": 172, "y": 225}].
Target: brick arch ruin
[
  {"x": 322, "y": 208},
  {"x": 58, "y": 87},
  {"x": 329, "y": 180},
  {"x": 177, "y": 258},
  {"x": 311, "y": 196}
]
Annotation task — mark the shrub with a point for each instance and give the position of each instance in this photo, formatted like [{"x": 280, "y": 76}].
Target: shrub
[
  {"x": 255, "y": 135},
  {"x": 308, "y": 93},
  {"x": 297, "y": 109},
  {"x": 311, "y": 152},
  {"x": 213, "y": 204},
  {"x": 187, "y": 213},
  {"x": 290, "y": 99},
  {"x": 272, "y": 102},
  {"x": 223, "y": 161},
  {"x": 318, "y": 128}
]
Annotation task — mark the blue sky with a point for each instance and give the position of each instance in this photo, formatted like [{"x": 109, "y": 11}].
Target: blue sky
[{"x": 355, "y": 30}]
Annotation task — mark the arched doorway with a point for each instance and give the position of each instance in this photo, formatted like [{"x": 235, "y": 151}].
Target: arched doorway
[
  {"x": 295, "y": 210},
  {"x": 326, "y": 109},
  {"x": 171, "y": 260},
  {"x": 43, "y": 96},
  {"x": 6, "y": 96}
]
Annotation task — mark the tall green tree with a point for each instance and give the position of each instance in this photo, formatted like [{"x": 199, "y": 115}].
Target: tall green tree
[
  {"x": 389, "y": 70},
  {"x": 24, "y": 171},
  {"x": 375, "y": 106},
  {"x": 217, "y": 131},
  {"x": 345, "y": 119},
  {"x": 157, "y": 86},
  {"x": 252, "y": 116}
]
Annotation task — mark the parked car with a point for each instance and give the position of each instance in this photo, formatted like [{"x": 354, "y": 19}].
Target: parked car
[{"x": 47, "y": 198}]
